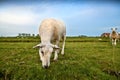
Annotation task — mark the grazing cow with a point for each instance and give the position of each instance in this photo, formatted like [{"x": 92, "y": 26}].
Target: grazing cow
[
  {"x": 50, "y": 30},
  {"x": 106, "y": 35},
  {"x": 114, "y": 36}
]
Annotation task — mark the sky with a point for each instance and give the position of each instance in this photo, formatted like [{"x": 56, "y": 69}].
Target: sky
[{"x": 81, "y": 17}]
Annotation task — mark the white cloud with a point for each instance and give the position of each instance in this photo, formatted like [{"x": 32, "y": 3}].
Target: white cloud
[
  {"x": 17, "y": 19},
  {"x": 16, "y": 16}
]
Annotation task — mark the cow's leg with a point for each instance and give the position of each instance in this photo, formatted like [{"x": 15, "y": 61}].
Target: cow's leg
[
  {"x": 112, "y": 41},
  {"x": 115, "y": 42},
  {"x": 63, "y": 45},
  {"x": 40, "y": 55},
  {"x": 56, "y": 51}
]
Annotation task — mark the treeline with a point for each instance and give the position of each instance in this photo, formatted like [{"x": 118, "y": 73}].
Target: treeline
[{"x": 24, "y": 35}]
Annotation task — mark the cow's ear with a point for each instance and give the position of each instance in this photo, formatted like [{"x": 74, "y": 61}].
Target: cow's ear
[
  {"x": 38, "y": 46},
  {"x": 111, "y": 28},
  {"x": 55, "y": 46},
  {"x": 115, "y": 28}
]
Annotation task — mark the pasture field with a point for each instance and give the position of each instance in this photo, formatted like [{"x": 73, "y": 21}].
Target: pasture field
[{"x": 85, "y": 59}]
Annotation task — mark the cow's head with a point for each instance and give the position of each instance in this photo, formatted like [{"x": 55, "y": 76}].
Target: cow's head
[
  {"x": 113, "y": 29},
  {"x": 45, "y": 51}
]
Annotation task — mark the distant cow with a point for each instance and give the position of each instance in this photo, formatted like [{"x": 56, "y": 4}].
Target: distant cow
[
  {"x": 50, "y": 30},
  {"x": 106, "y": 35},
  {"x": 114, "y": 36}
]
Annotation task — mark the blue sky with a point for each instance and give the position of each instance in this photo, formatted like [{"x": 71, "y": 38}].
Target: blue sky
[{"x": 82, "y": 17}]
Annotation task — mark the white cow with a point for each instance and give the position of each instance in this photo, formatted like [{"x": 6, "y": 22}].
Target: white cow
[
  {"x": 50, "y": 30},
  {"x": 114, "y": 36}
]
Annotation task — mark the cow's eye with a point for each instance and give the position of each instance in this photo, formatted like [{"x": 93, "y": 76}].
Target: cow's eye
[{"x": 42, "y": 52}]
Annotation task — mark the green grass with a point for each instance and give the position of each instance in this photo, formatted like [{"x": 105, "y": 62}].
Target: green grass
[{"x": 84, "y": 59}]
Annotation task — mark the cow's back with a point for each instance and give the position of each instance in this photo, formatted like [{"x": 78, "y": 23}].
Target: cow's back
[{"x": 52, "y": 29}]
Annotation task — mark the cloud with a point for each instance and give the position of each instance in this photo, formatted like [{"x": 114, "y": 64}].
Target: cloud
[
  {"x": 16, "y": 19},
  {"x": 16, "y": 15}
]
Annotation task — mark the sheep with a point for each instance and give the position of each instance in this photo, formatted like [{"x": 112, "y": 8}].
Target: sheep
[
  {"x": 114, "y": 36},
  {"x": 50, "y": 30}
]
